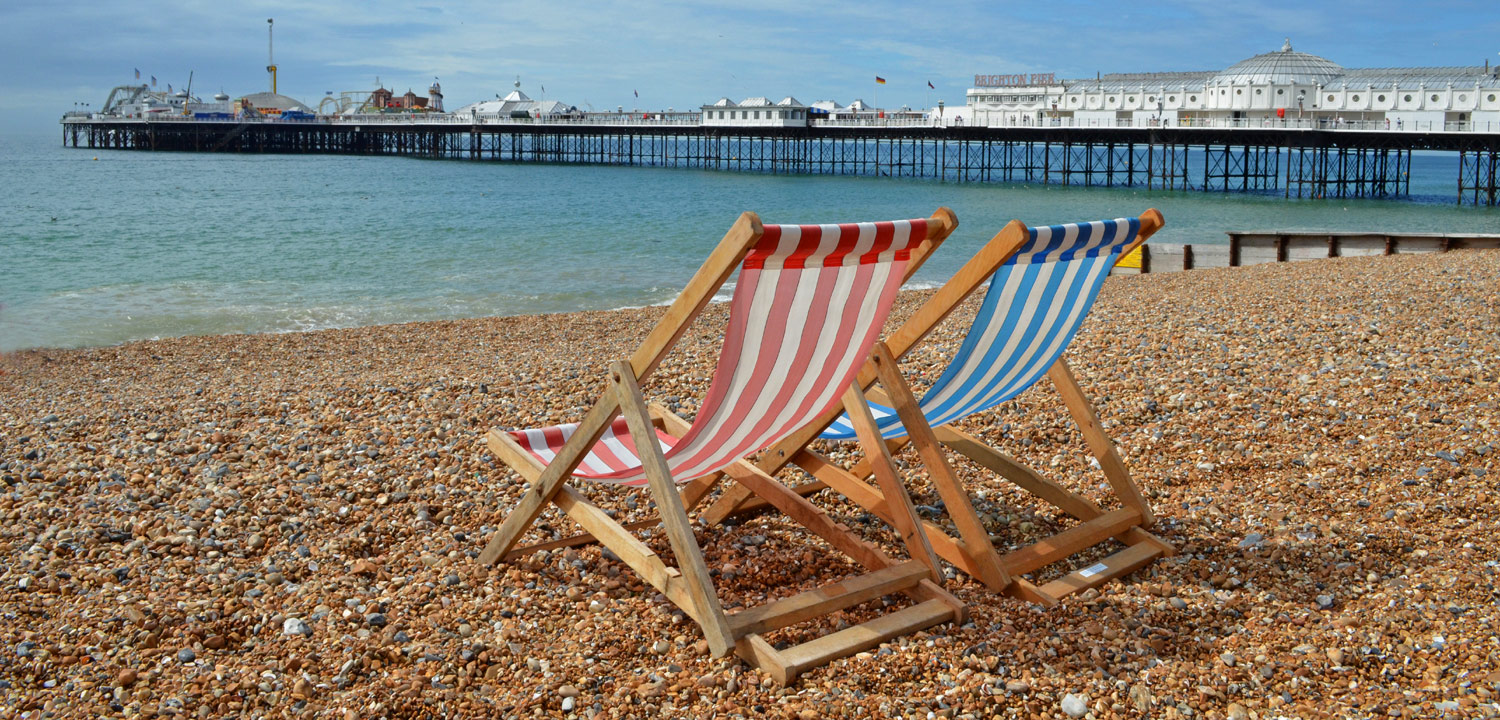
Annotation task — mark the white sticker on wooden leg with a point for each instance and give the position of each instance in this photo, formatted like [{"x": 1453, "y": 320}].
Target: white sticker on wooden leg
[{"x": 1092, "y": 570}]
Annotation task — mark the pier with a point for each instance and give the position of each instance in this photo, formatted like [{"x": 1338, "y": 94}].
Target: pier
[{"x": 1303, "y": 162}]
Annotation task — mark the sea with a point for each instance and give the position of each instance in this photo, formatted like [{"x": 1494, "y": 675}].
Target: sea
[{"x": 104, "y": 247}]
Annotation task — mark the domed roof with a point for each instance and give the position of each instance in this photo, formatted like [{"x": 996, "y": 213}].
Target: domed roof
[
  {"x": 274, "y": 101},
  {"x": 1282, "y": 67}
]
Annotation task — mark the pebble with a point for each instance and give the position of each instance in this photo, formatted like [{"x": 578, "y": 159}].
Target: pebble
[
  {"x": 1325, "y": 602},
  {"x": 131, "y": 549},
  {"x": 295, "y": 626},
  {"x": 186, "y": 655},
  {"x": 375, "y": 620},
  {"x": 568, "y": 704},
  {"x": 1075, "y": 705}
]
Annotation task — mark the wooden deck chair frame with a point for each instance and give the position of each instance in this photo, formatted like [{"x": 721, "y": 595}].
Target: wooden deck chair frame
[
  {"x": 973, "y": 551},
  {"x": 689, "y": 586}
]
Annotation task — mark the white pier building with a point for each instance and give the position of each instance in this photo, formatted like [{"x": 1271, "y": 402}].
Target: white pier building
[
  {"x": 1284, "y": 88},
  {"x": 756, "y": 112}
]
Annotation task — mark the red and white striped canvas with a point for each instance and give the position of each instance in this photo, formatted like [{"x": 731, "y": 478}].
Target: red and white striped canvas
[{"x": 809, "y": 303}]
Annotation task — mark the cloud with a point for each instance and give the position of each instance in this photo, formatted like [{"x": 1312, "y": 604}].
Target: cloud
[{"x": 678, "y": 53}]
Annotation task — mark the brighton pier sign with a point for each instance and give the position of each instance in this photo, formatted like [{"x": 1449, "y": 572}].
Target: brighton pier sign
[{"x": 1021, "y": 80}]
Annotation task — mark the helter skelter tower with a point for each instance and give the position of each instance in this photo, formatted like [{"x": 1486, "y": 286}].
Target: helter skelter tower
[{"x": 271, "y": 52}]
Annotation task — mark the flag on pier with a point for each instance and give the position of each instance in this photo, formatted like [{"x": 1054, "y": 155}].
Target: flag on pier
[
  {"x": 138, "y": 73},
  {"x": 879, "y": 80},
  {"x": 169, "y": 88},
  {"x": 929, "y": 85},
  {"x": 637, "y": 93},
  {"x": 153, "y": 81}
]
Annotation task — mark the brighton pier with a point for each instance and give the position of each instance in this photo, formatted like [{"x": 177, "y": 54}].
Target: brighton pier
[
  {"x": 1282, "y": 120},
  {"x": 1301, "y": 162}
]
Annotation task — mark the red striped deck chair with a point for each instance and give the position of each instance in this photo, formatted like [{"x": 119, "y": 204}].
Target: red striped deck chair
[
  {"x": 808, "y": 303},
  {"x": 1042, "y": 282}
]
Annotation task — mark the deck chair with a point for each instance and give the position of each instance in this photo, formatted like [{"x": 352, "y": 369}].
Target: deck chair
[
  {"x": 807, "y": 304},
  {"x": 1044, "y": 282}
]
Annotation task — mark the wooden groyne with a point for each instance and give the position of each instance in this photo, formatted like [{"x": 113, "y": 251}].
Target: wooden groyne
[{"x": 1265, "y": 246}]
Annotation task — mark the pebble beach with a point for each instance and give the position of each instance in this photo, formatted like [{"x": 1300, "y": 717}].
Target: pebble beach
[{"x": 287, "y": 525}]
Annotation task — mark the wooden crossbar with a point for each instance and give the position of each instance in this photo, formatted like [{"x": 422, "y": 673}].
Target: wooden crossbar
[
  {"x": 786, "y": 665},
  {"x": 1118, "y": 565},
  {"x": 1070, "y": 541},
  {"x": 827, "y": 599}
]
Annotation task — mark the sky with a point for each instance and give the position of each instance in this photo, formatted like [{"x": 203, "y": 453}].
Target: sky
[{"x": 682, "y": 55}]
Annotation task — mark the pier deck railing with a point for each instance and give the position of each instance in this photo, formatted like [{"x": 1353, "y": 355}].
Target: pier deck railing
[{"x": 694, "y": 120}]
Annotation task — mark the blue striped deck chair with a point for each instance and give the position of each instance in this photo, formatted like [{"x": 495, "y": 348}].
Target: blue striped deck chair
[{"x": 1042, "y": 283}]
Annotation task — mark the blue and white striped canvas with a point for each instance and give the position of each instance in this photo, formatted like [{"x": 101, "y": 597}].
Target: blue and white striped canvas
[{"x": 1035, "y": 304}]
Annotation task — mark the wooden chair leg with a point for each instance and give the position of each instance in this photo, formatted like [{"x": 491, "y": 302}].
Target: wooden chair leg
[
  {"x": 872, "y": 500},
  {"x": 1017, "y": 472},
  {"x": 546, "y": 486},
  {"x": 696, "y": 491},
  {"x": 692, "y": 494},
  {"x": 1078, "y": 506},
  {"x": 979, "y": 547},
  {"x": 1099, "y": 443},
  {"x": 903, "y": 515},
  {"x": 674, "y": 517},
  {"x": 809, "y": 516},
  {"x": 728, "y": 504}
]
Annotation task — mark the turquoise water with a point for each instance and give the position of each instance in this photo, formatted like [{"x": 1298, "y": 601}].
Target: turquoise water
[{"x": 139, "y": 245}]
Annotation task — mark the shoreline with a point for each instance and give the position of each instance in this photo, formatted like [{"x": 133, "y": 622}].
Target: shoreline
[
  {"x": 1303, "y": 430},
  {"x": 1241, "y": 249}
]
